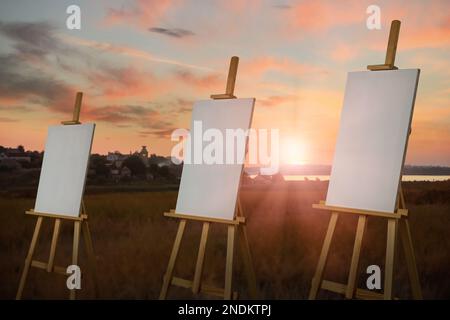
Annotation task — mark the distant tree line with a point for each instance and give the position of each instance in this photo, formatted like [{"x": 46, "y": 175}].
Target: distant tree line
[{"x": 426, "y": 170}]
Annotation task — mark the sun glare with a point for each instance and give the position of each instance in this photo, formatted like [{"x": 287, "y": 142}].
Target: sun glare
[{"x": 292, "y": 152}]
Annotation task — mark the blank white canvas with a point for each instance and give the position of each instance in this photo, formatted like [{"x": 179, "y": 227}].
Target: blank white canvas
[
  {"x": 372, "y": 139},
  {"x": 210, "y": 190},
  {"x": 64, "y": 168}
]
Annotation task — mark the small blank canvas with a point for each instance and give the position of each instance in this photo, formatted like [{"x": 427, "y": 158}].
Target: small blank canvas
[
  {"x": 372, "y": 139},
  {"x": 210, "y": 190},
  {"x": 64, "y": 168}
]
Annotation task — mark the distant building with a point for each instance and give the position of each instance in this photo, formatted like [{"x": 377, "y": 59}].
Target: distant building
[
  {"x": 115, "y": 156},
  {"x": 115, "y": 160},
  {"x": 160, "y": 160},
  {"x": 16, "y": 154},
  {"x": 125, "y": 172},
  {"x": 166, "y": 162},
  {"x": 143, "y": 154}
]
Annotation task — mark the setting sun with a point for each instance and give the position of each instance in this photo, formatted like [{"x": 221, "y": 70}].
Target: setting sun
[{"x": 292, "y": 152}]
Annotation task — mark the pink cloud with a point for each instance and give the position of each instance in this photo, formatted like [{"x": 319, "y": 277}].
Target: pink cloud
[
  {"x": 343, "y": 53},
  {"x": 424, "y": 24},
  {"x": 131, "y": 83},
  {"x": 140, "y": 13},
  {"x": 274, "y": 101},
  {"x": 208, "y": 81},
  {"x": 426, "y": 37},
  {"x": 260, "y": 65},
  {"x": 319, "y": 16},
  {"x": 5, "y": 100},
  {"x": 239, "y": 6},
  {"x": 127, "y": 83}
]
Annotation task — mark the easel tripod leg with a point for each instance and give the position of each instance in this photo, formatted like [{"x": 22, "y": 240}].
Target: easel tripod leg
[
  {"x": 246, "y": 253},
  {"x": 91, "y": 256},
  {"x": 200, "y": 258},
  {"x": 318, "y": 276},
  {"x": 55, "y": 236},
  {"x": 247, "y": 259},
  {"x": 173, "y": 258},
  {"x": 76, "y": 241},
  {"x": 390, "y": 255},
  {"x": 405, "y": 234},
  {"x": 29, "y": 258},
  {"x": 229, "y": 262},
  {"x": 350, "y": 291}
]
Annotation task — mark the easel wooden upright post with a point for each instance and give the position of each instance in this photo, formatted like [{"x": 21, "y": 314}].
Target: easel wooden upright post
[
  {"x": 234, "y": 226},
  {"x": 391, "y": 50},
  {"x": 80, "y": 222},
  {"x": 396, "y": 220}
]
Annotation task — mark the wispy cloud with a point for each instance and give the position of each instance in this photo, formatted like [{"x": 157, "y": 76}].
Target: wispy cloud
[
  {"x": 126, "y": 83},
  {"x": 182, "y": 105},
  {"x": 139, "y": 13},
  {"x": 126, "y": 116},
  {"x": 174, "y": 32},
  {"x": 121, "y": 113},
  {"x": 282, "y": 6},
  {"x": 5, "y": 119},
  {"x": 199, "y": 81},
  {"x": 130, "y": 52},
  {"x": 14, "y": 108},
  {"x": 161, "y": 134},
  {"x": 260, "y": 65},
  {"x": 343, "y": 52},
  {"x": 274, "y": 101},
  {"x": 320, "y": 16}
]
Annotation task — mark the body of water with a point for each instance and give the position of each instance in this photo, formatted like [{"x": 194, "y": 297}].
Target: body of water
[{"x": 295, "y": 177}]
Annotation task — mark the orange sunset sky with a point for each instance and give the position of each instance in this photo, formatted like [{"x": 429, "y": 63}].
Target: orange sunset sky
[{"x": 141, "y": 64}]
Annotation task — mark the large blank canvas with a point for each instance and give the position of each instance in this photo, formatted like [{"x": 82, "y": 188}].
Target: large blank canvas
[
  {"x": 63, "y": 173},
  {"x": 372, "y": 139},
  {"x": 210, "y": 190}
]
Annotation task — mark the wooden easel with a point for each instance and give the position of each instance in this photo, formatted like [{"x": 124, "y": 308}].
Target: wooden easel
[
  {"x": 80, "y": 222},
  {"x": 235, "y": 225},
  {"x": 395, "y": 220}
]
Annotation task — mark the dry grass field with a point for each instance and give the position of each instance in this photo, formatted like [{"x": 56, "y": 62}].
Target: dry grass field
[{"x": 132, "y": 242}]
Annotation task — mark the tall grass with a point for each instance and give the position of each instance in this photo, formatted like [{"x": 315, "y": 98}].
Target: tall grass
[{"x": 132, "y": 242}]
